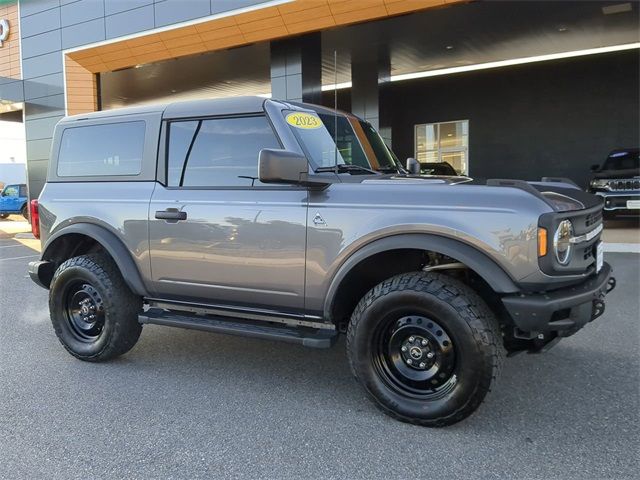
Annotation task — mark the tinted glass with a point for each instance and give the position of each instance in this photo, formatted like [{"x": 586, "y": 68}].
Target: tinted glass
[
  {"x": 10, "y": 191},
  {"x": 317, "y": 143},
  {"x": 102, "y": 150},
  {"x": 23, "y": 191},
  {"x": 386, "y": 159},
  {"x": 224, "y": 152},
  {"x": 622, "y": 161},
  {"x": 181, "y": 135},
  {"x": 348, "y": 143}
]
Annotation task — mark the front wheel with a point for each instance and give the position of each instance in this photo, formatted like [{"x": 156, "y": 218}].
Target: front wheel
[
  {"x": 93, "y": 311},
  {"x": 4, "y": 215},
  {"x": 425, "y": 347},
  {"x": 24, "y": 211}
]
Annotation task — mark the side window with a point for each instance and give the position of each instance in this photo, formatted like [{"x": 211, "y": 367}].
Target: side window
[
  {"x": 111, "y": 149},
  {"x": 10, "y": 191},
  {"x": 217, "y": 152},
  {"x": 23, "y": 191}
]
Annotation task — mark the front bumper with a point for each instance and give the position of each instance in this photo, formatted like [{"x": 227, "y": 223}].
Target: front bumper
[
  {"x": 562, "y": 312},
  {"x": 620, "y": 200}
]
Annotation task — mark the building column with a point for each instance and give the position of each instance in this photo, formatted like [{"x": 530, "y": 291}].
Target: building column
[
  {"x": 296, "y": 69},
  {"x": 369, "y": 70}
]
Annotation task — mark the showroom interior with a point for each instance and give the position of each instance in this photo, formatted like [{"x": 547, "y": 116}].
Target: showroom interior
[{"x": 497, "y": 89}]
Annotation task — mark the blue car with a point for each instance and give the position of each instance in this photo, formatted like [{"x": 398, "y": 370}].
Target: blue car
[{"x": 14, "y": 199}]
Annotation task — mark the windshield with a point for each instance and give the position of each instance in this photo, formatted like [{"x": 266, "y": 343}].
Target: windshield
[
  {"x": 317, "y": 143},
  {"x": 386, "y": 158},
  {"x": 359, "y": 144},
  {"x": 622, "y": 160}
]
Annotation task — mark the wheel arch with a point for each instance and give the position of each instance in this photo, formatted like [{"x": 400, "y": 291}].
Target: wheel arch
[
  {"x": 477, "y": 261},
  {"x": 59, "y": 247}
]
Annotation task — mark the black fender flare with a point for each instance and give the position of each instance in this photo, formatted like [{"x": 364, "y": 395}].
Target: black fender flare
[
  {"x": 473, "y": 258},
  {"x": 112, "y": 244}
]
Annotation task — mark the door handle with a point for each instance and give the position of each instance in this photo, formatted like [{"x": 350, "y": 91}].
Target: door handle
[{"x": 171, "y": 214}]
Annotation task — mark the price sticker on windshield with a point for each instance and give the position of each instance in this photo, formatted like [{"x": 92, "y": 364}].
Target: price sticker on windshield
[{"x": 306, "y": 121}]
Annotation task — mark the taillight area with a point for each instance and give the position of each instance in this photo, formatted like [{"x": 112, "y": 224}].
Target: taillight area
[{"x": 35, "y": 218}]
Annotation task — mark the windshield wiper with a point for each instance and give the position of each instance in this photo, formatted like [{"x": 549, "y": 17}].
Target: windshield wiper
[
  {"x": 388, "y": 170},
  {"x": 345, "y": 168}
]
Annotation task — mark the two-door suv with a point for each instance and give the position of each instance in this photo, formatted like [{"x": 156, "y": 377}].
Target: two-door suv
[{"x": 256, "y": 217}]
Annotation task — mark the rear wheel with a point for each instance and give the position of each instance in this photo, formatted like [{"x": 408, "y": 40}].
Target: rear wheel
[
  {"x": 94, "y": 313},
  {"x": 24, "y": 211},
  {"x": 4, "y": 215},
  {"x": 425, "y": 347}
]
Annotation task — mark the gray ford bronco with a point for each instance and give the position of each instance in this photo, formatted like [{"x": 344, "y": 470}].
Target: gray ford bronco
[{"x": 283, "y": 221}]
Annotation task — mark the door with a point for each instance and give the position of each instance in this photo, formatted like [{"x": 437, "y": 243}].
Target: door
[{"x": 219, "y": 236}]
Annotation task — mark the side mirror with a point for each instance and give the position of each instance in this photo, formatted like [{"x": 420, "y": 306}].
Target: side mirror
[
  {"x": 282, "y": 166},
  {"x": 413, "y": 166},
  {"x": 595, "y": 167}
]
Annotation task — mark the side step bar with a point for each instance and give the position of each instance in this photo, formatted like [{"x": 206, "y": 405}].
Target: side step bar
[{"x": 316, "y": 338}]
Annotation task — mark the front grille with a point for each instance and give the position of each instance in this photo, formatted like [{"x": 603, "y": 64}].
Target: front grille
[
  {"x": 593, "y": 219},
  {"x": 624, "y": 184}
]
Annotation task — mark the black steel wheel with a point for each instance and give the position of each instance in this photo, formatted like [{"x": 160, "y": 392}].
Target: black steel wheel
[
  {"x": 425, "y": 347},
  {"x": 93, "y": 311},
  {"x": 84, "y": 311},
  {"x": 415, "y": 356}
]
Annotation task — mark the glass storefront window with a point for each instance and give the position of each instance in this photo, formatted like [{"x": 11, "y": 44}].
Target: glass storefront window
[{"x": 444, "y": 142}]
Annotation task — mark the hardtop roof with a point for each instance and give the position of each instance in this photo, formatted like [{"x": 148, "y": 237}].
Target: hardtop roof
[{"x": 182, "y": 109}]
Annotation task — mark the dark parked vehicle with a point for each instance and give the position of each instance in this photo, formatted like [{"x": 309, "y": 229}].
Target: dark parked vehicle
[
  {"x": 245, "y": 216},
  {"x": 13, "y": 200},
  {"x": 437, "y": 168},
  {"x": 617, "y": 181}
]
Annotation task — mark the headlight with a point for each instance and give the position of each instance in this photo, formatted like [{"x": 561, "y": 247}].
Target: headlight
[
  {"x": 562, "y": 242},
  {"x": 599, "y": 183}
]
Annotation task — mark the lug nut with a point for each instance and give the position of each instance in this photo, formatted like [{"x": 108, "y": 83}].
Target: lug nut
[
  {"x": 92, "y": 317},
  {"x": 412, "y": 338},
  {"x": 424, "y": 343},
  {"x": 93, "y": 307},
  {"x": 409, "y": 361},
  {"x": 422, "y": 365},
  {"x": 430, "y": 355},
  {"x": 404, "y": 349}
]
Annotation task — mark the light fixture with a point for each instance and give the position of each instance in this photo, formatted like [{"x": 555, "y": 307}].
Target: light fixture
[
  {"x": 515, "y": 61},
  {"x": 618, "y": 8},
  {"x": 497, "y": 64}
]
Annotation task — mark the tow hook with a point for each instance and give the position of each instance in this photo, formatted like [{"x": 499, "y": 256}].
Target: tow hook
[{"x": 611, "y": 284}]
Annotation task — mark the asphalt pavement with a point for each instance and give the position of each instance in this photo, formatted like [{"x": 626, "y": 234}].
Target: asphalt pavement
[{"x": 184, "y": 404}]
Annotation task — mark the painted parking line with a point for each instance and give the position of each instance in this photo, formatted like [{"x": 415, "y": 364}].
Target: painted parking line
[
  {"x": 18, "y": 258},
  {"x": 622, "y": 247}
]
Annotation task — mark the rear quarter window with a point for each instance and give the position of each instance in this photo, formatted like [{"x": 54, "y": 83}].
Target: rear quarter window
[{"x": 113, "y": 149}]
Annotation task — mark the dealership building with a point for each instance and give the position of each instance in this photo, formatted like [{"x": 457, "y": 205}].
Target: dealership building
[{"x": 497, "y": 89}]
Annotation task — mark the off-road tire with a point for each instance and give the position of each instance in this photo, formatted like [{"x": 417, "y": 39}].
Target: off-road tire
[
  {"x": 24, "y": 211},
  {"x": 120, "y": 305},
  {"x": 4, "y": 216},
  {"x": 468, "y": 321}
]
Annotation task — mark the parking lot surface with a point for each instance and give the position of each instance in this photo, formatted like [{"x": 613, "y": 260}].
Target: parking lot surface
[{"x": 184, "y": 404}]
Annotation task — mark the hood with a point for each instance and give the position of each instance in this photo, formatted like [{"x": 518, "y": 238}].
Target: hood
[
  {"x": 417, "y": 179},
  {"x": 560, "y": 197}
]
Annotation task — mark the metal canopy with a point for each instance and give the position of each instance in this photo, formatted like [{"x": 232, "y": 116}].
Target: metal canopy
[{"x": 459, "y": 35}]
